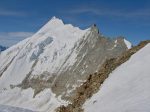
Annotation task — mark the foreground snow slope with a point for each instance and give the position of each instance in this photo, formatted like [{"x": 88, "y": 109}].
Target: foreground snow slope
[{"x": 127, "y": 89}]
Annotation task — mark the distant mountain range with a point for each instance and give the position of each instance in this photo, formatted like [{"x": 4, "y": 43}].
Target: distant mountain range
[{"x": 2, "y": 48}]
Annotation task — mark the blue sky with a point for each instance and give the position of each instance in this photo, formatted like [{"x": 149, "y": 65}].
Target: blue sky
[{"x": 129, "y": 18}]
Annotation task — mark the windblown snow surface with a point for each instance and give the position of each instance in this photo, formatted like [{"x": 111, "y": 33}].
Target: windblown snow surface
[{"x": 127, "y": 89}]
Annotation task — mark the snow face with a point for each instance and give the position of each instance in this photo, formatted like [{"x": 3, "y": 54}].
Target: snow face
[
  {"x": 128, "y": 44},
  {"x": 126, "y": 89},
  {"x": 47, "y": 50}
]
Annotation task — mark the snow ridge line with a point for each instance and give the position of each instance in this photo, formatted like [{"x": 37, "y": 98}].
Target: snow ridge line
[{"x": 94, "y": 81}]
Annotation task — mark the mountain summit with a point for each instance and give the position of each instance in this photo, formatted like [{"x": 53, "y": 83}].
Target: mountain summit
[{"x": 42, "y": 72}]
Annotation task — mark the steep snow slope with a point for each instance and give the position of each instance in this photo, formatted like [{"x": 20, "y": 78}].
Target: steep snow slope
[
  {"x": 41, "y": 70},
  {"x": 126, "y": 89}
]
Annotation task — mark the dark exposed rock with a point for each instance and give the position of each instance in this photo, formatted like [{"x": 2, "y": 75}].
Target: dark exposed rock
[{"x": 2, "y": 48}]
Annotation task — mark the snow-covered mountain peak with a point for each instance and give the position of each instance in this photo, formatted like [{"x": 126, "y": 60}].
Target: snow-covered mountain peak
[
  {"x": 59, "y": 57},
  {"x": 51, "y": 24},
  {"x": 55, "y": 20},
  {"x": 53, "y": 42},
  {"x": 54, "y": 17},
  {"x": 55, "y": 28}
]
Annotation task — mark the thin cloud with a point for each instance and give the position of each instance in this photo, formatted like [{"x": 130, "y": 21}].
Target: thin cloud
[
  {"x": 11, "y": 38},
  {"x": 4, "y": 12},
  {"x": 110, "y": 12}
]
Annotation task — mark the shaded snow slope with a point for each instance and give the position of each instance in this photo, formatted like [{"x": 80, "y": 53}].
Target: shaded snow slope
[
  {"x": 126, "y": 89},
  {"x": 2, "y": 48}
]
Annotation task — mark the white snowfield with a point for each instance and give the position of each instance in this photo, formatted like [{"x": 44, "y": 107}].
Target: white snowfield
[{"x": 127, "y": 89}]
